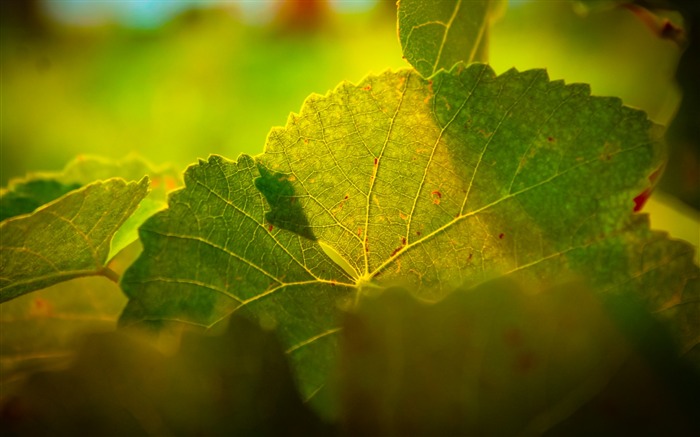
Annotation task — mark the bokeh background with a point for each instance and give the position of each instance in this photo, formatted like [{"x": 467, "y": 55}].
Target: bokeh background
[{"x": 177, "y": 80}]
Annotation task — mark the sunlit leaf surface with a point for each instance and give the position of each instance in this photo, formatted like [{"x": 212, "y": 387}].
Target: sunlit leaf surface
[{"x": 435, "y": 184}]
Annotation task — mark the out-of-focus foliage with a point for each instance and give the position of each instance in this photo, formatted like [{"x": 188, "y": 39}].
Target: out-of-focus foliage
[
  {"x": 237, "y": 383},
  {"x": 503, "y": 360},
  {"x": 673, "y": 20},
  {"x": 498, "y": 359},
  {"x": 206, "y": 82},
  {"x": 209, "y": 82},
  {"x": 41, "y": 330}
]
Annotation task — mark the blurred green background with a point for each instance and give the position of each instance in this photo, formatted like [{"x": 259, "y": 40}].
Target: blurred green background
[{"x": 178, "y": 80}]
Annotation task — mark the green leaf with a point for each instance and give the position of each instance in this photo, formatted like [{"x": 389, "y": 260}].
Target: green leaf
[
  {"x": 438, "y": 34},
  {"x": 122, "y": 385},
  {"x": 436, "y": 184},
  {"x": 66, "y": 239}
]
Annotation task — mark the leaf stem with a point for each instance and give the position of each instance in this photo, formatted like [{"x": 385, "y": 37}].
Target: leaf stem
[{"x": 109, "y": 274}]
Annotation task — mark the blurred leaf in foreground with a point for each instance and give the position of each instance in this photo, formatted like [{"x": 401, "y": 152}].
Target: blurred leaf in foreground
[
  {"x": 503, "y": 360},
  {"x": 41, "y": 330},
  {"x": 237, "y": 383}
]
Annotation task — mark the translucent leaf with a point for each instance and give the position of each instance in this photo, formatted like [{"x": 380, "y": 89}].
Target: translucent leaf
[
  {"x": 435, "y": 184},
  {"x": 66, "y": 239},
  {"x": 439, "y": 34}
]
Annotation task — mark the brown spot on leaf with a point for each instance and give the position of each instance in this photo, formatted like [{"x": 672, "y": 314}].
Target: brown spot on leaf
[
  {"x": 501, "y": 235},
  {"x": 367, "y": 88},
  {"x": 41, "y": 308},
  {"x": 398, "y": 249},
  {"x": 436, "y": 195}
]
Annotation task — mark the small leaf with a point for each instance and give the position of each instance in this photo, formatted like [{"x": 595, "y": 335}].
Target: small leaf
[
  {"x": 24, "y": 195},
  {"x": 438, "y": 34},
  {"x": 66, "y": 239}
]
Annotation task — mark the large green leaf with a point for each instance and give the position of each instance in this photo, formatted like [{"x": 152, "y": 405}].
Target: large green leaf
[
  {"x": 439, "y": 34},
  {"x": 68, "y": 238},
  {"x": 432, "y": 183}
]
